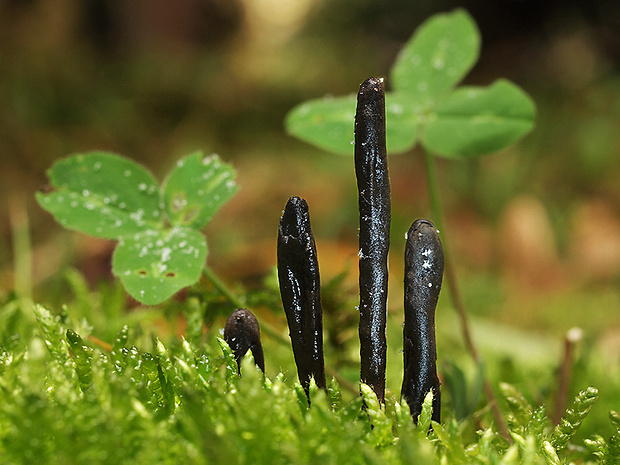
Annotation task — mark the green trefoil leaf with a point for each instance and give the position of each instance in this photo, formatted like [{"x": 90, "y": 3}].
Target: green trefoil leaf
[
  {"x": 160, "y": 249},
  {"x": 154, "y": 264},
  {"x": 424, "y": 105},
  {"x": 102, "y": 194},
  {"x": 474, "y": 121},
  {"x": 196, "y": 189},
  {"x": 437, "y": 57}
]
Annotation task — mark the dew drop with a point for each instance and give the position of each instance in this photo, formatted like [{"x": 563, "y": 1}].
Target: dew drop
[
  {"x": 166, "y": 253},
  {"x": 397, "y": 109},
  {"x": 210, "y": 159}
]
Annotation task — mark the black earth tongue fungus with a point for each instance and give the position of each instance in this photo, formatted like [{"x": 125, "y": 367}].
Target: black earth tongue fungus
[
  {"x": 423, "y": 276},
  {"x": 242, "y": 333},
  {"x": 300, "y": 288},
  {"x": 374, "y": 235}
]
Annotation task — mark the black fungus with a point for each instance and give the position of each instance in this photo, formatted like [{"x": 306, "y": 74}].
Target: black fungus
[
  {"x": 423, "y": 276},
  {"x": 242, "y": 333},
  {"x": 300, "y": 288},
  {"x": 374, "y": 235}
]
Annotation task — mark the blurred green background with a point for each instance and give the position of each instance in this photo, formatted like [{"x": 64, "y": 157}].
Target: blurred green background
[{"x": 535, "y": 230}]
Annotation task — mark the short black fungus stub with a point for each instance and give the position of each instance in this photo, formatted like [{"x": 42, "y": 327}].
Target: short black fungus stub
[
  {"x": 300, "y": 288},
  {"x": 242, "y": 333},
  {"x": 423, "y": 276},
  {"x": 374, "y": 237}
]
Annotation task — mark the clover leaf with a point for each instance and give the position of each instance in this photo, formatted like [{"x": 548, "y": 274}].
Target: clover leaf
[
  {"x": 424, "y": 106},
  {"x": 160, "y": 248}
]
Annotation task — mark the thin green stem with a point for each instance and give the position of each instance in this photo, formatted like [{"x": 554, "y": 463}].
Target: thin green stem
[
  {"x": 455, "y": 294},
  {"x": 453, "y": 287},
  {"x": 222, "y": 287}
]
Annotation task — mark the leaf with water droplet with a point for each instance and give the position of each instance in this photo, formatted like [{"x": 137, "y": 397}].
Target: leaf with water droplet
[
  {"x": 103, "y": 195},
  {"x": 479, "y": 120},
  {"x": 196, "y": 189},
  {"x": 155, "y": 264},
  {"x": 435, "y": 59},
  {"x": 437, "y": 56}
]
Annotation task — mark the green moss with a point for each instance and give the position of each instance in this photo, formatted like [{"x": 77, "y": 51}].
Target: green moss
[{"x": 67, "y": 401}]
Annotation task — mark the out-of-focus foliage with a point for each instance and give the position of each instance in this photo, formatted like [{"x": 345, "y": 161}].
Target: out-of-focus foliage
[{"x": 466, "y": 122}]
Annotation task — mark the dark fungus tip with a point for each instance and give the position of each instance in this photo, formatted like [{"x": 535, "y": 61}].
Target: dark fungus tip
[
  {"x": 242, "y": 333},
  {"x": 372, "y": 84},
  {"x": 421, "y": 223},
  {"x": 295, "y": 218}
]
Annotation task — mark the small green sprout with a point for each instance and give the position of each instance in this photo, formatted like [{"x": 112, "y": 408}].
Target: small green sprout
[{"x": 160, "y": 248}]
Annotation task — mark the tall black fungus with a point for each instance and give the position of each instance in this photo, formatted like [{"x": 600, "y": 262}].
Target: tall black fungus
[
  {"x": 374, "y": 205},
  {"x": 300, "y": 288},
  {"x": 423, "y": 276},
  {"x": 242, "y": 333}
]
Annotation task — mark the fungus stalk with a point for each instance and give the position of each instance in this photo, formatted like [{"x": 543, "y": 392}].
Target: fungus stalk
[
  {"x": 423, "y": 277},
  {"x": 374, "y": 234},
  {"x": 300, "y": 288},
  {"x": 242, "y": 333}
]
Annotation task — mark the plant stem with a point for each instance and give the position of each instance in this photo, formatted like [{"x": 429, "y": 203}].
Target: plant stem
[
  {"x": 453, "y": 287},
  {"x": 219, "y": 284},
  {"x": 570, "y": 341}
]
